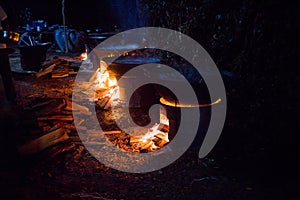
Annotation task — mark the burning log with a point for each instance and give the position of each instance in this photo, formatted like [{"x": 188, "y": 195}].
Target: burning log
[
  {"x": 146, "y": 145},
  {"x": 162, "y": 136},
  {"x": 135, "y": 139},
  {"x": 94, "y": 75},
  {"x": 51, "y": 138},
  {"x": 108, "y": 105},
  {"x": 102, "y": 103},
  {"x": 161, "y": 143},
  {"x": 163, "y": 128}
]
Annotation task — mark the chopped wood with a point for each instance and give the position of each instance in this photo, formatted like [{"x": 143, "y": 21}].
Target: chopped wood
[
  {"x": 93, "y": 132},
  {"x": 51, "y": 62},
  {"x": 45, "y": 71},
  {"x": 62, "y": 112},
  {"x": 163, "y": 128},
  {"x": 69, "y": 126},
  {"x": 161, "y": 136},
  {"x": 147, "y": 144},
  {"x": 94, "y": 143},
  {"x": 104, "y": 101},
  {"x": 108, "y": 105},
  {"x": 56, "y": 150},
  {"x": 54, "y": 107},
  {"x": 112, "y": 132},
  {"x": 72, "y": 106},
  {"x": 56, "y": 117},
  {"x": 42, "y": 103},
  {"x": 43, "y": 142},
  {"x": 161, "y": 143},
  {"x": 60, "y": 75},
  {"x": 83, "y": 110},
  {"x": 55, "y": 127},
  {"x": 71, "y": 72},
  {"x": 135, "y": 139},
  {"x": 100, "y": 92},
  {"x": 94, "y": 75},
  {"x": 75, "y": 139}
]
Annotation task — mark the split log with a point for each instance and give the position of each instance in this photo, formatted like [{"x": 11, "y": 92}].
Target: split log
[
  {"x": 54, "y": 107},
  {"x": 94, "y": 75},
  {"x": 56, "y": 117},
  {"x": 77, "y": 127},
  {"x": 45, "y": 71},
  {"x": 135, "y": 139},
  {"x": 161, "y": 143},
  {"x": 43, "y": 142},
  {"x": 75, "y": 139},
  {"x": 93, "y": 132},
  {"x": 162, "y": 136},
  {"x": 146, "y": 145},
  {"x": 60, "y": 75},
  {"x": 71, "y": 72},
  {"x": 83, "y": 110},
  {"x": 42, "y": 103},
  {"x": 108, "y": 105},
  {"x": 112, "y": 132},
  {"x": 104, "y": 101},
  {"x": 101, "y": 92},
  {"x": 163, "y": 128},
  {"x": 71, "y": 105},
  {"x": 56, "y": 150},
  {"x": 51, "y": 62}
]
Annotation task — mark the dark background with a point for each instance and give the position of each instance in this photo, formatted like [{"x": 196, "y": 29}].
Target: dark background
[{"x": 255, "y": 43}]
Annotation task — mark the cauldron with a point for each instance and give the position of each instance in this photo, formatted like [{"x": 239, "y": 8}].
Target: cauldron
[{"x": 33, "y": 56}]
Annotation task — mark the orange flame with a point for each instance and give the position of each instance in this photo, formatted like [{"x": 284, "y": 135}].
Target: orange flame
[
  {"x": 112, "y": 81},
  {"x": 84, "y": 55}
]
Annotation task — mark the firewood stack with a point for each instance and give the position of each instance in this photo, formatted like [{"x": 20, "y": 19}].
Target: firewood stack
[
  {"x": 55, "y": 119},
  {"x": 58, "y": 68}
]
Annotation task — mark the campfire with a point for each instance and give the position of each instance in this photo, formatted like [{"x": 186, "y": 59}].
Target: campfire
[
  {"x": 107, "y": 95},
  {"x": 84, "y": 55},
  {"x": 155, "y": 138}
]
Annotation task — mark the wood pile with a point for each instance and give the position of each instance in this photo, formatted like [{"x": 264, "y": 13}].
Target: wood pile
[{"x": 58, "y": 68}]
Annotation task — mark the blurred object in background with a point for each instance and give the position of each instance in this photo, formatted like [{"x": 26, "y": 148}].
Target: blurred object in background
[
  {"x": 3, "y": 16},
  {"x": 75, "y": 40}
]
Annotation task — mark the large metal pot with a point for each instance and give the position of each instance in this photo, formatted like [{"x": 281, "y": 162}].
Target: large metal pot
[{"x": 33, "y": 56}]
